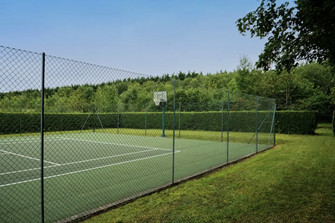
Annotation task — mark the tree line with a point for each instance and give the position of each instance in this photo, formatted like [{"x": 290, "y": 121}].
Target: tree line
[{"x": 309, "y": 86}]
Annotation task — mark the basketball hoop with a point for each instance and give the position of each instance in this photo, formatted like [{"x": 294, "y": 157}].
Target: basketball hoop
[
  {"x": 157, "y": 102},
  {"x": 159, "y": 97}
]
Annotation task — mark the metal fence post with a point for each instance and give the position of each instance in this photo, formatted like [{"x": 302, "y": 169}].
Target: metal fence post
[
  {"x": 228, "y": 127},
  {"x": 61, "y": 120},
  {"x": 145, "y": 122},
  {"x": 118, "y": 117},
  {"x": 274, "y": 125},
  {"x": 42, "y": 137},
  {"x": 20, "y": 119},
  {"x": 256, "y": 124},
  {"x": 179, "y": 117},
  {"x": 222, "y": 123},
  {"x": 174, "y": 127}
]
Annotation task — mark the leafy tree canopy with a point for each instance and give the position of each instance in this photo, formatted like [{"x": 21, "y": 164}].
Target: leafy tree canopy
[{"x": 304, "y": 32}]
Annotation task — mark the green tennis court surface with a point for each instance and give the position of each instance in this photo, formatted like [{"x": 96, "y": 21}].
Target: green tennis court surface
[{"x": 116, "y": 166}]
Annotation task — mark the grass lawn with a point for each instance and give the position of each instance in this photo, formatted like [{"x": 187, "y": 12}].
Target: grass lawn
[{"x": 294, "y": 182}]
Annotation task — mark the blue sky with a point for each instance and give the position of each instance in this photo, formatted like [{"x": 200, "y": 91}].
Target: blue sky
[{"x": 152, "y": 37}]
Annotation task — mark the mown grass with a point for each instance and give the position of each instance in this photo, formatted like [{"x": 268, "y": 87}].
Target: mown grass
[{"x": 294, "y": 182}]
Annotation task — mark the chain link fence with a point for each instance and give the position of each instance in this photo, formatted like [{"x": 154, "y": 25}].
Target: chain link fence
[{"x": 76, "y": 137}]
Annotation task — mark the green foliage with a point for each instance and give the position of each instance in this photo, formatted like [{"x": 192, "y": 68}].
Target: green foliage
[
  {"x": 296, "y": 122},
  {"x": 302, "y": 32},
  {"x": 30, "y": 122},
  {"x": 306, "y": 87},
  {"x": 291, "y": 122}
]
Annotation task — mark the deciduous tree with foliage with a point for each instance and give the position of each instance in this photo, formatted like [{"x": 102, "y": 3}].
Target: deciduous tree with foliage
[{"x": 305, "y": 31}]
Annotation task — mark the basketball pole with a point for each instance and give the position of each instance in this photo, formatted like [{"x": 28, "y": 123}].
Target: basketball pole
[{"x": 163, "y": 105}]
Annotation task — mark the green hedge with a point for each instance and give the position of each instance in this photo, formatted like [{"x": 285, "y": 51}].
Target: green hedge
[
  {"x": 31, "y": 122},
  {"x": 296, "y": 122},
  {"x": 292, "y": 122}
]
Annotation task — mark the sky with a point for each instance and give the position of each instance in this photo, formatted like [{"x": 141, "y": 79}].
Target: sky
[{"x": 152, "y": 37}]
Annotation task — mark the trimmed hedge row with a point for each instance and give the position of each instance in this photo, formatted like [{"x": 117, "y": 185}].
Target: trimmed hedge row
[
  {"x": 291, "y": 122},
  {"x": 296, "y": 122}
]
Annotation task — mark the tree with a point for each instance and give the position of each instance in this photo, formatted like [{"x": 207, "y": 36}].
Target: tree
[
  {"x": 106, "y": 98},
  {"x": 81, "y": 98},
  {"x": 305, "y": 31}
]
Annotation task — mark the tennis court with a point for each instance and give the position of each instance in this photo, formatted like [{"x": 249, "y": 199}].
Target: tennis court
[{"x": 116, "y": 166}]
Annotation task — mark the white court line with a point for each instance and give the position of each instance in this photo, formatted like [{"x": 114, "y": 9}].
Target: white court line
[
  {"x": 28, "y": 157},
  {"x": 24, "y": 141},
  {"x": 31, "y": 141},
  {"x": 80, "y": 171},
  {"x": 83, "y": 140},
  {"x": 111, "y": 143},
  {"x": 71, "y": 163}
]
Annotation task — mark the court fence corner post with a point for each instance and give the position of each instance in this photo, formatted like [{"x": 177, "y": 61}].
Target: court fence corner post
[{"x": 42, "y": 137}]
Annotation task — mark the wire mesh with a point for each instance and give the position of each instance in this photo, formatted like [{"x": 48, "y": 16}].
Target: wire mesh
[
  {"x": 105, "y": 140},
  {"x": 20, "y": 73}
]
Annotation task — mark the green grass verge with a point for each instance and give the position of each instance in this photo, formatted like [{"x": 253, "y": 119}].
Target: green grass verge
[{"x": 293, "y": 182}]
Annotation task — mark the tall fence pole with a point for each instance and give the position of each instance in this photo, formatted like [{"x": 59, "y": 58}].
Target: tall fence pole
[
  {"x": 42, "y": 138},
  {"x": 256, "y": 124},
  {"x": 61, "y": 120},
  {"x": 274, "y": 125},
  {"x": 174, "y": 127},
  {"x": 145, "y": 122},
  {"x": 20, "y": 119},
  {"x": 222, "y": 123},
  {"x": 228, "y": 127},
  {"x": 179, "y": 117},
  {"x": 118, "y": 117},
  {"x": 163, "y": 119}
]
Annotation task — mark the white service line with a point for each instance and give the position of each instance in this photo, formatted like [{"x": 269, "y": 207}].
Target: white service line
[
  {"x": 28, "y": 157},
  {"x": 25, "y": 141},
  {"x": 71, "y": 163},
  {"x": 80, "y": 171},
  {"x": 111, "y": 143},
  {"x": 83, "y": 140}
]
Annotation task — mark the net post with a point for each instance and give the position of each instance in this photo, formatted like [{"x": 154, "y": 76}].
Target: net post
[
  {"x": 42, "y": 137},
  {"x": 256, "y": 124},
  {"x": 228, "y": 126}
]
